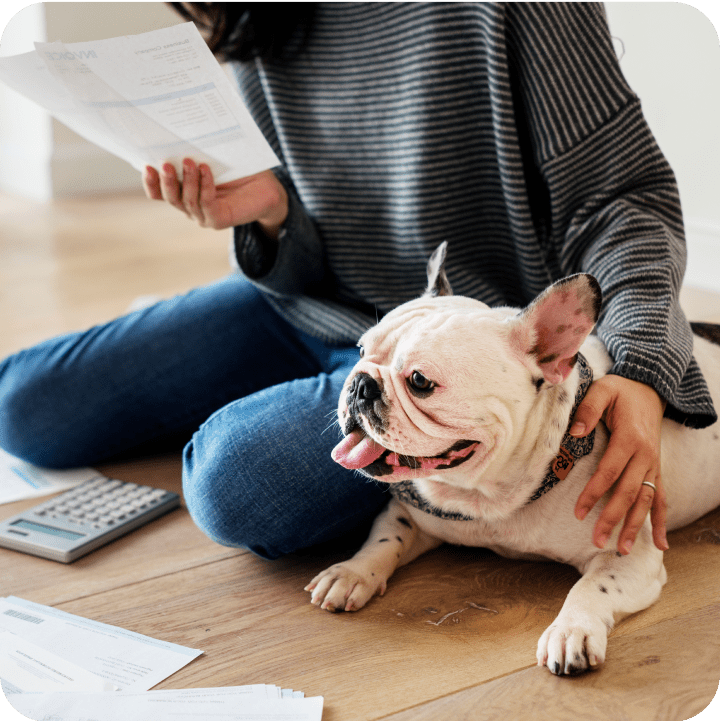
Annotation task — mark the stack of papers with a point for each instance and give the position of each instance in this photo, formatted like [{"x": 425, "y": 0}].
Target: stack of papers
[
  {"x": 148, "y": 98},
  {"x": 64, "y": 667}
]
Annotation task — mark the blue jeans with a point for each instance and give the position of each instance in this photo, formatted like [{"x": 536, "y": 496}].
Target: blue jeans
[{"x": 254, "y": 397}]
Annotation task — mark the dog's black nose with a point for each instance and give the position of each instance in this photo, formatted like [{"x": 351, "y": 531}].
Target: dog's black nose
[{"x": 364, "y": 388}]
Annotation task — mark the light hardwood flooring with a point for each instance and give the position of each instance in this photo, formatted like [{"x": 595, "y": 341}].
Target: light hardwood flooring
[{"x": 67, "y": 265}]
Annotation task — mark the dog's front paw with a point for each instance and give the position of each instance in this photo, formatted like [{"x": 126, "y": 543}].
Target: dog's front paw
[
  {"x": 344, "y": 587},
  {"x": 573, "y": 645}
]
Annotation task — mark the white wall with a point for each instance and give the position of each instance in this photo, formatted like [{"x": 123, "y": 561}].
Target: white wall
[
  {"x": 670, "y": 55},
  {"x": 40, "y": 157}
]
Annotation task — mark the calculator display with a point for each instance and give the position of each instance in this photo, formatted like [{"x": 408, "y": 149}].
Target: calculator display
[{"x": 30, "y": 526}]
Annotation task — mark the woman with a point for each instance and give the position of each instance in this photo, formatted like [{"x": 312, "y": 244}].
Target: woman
[{"x": 506, "y": 129}]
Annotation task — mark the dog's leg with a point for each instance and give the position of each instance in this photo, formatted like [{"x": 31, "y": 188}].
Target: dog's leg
[
  {"x": 612, "y": 587},
  {"x": 394, "y": 541}
]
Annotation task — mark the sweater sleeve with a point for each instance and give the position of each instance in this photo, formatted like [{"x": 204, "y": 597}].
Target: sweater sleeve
[
  {"x": 291, "y": 266},
  {"x": 609, "y": 203}
]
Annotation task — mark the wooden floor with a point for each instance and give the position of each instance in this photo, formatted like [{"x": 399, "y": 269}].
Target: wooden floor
[{"x": 424, "y": 650}]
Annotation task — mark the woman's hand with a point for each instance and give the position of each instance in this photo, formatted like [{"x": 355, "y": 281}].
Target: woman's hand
[
  {"x": 633, "y": 413},
  {"x": 258, "y": 199}
]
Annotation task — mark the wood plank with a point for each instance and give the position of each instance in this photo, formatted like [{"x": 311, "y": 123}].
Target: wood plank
[
  {"x": 166, "y": 545},
  {"x": 641, "y": 682},
  {"x": 255, "y": 625},
  {"x": 73, "y": 263}
]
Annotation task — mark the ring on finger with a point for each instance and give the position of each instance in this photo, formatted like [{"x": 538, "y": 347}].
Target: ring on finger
[{"x": 652, "y": 485}]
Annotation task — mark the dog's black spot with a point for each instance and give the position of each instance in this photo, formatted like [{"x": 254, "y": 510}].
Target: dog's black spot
[
  {"x": 563, "y": 397},
  {"x": 618, "y": 589},
  {"x": 618, "y": 554},
  {"x": 612, "y": 577},
  {"x": 715, "y": 436},
  {"x": 603, "y": 589},
  {"x": 372, "y": 574},
  {"x": 399, "y": 539},
  {"x": 556, "y": 668},
  {"x": 404, "y": 521},
  {"x": 538, "y": 382},
  {"x": 383, "y": 540}
]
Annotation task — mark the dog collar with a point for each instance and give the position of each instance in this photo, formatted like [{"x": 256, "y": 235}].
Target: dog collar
[{"x": 571, "y": 450}]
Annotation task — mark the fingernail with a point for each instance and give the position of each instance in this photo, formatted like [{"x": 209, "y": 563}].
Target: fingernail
[
  {"x": 577, "y": 429},
  {"x": 627, "y": 546},
  {"x": 602, "y": 540},
  {"x": 581, "y": 513}
]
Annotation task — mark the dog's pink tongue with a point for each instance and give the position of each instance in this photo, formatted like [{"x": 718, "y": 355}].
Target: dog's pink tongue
[{"x": 357, "y": 450}]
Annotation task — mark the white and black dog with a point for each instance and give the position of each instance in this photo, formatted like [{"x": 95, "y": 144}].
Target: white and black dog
[{"x": 464, "y": 409}]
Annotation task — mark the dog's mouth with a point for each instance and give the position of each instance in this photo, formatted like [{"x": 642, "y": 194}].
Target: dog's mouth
[{"x": 358, "y": 451}]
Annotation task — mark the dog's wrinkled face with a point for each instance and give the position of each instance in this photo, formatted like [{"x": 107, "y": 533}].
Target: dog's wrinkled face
[
  {"x": 444, "y": 381},
  {"x": 433, "y": 391}
]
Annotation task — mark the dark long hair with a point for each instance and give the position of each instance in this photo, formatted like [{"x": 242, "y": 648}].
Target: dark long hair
[{"x": 244, "y": 31}]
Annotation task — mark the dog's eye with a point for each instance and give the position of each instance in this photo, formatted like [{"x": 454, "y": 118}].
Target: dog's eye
[
  {"x": 417, "y": 381},
  {"x": 362, "y": 350}
]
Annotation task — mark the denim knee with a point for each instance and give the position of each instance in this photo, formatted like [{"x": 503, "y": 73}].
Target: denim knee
[
  {"x": 24, "y": 420},
  {"x": 219, "y": 496}
]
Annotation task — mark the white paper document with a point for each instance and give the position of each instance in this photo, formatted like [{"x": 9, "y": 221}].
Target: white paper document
[
  {"x": 27, "y": 668},
  {"x": 150, "y": 98},
  {"x": 19, "y": 480},
  {"x": 234, "y": 704},
  {"x": 130, "y": 661}
]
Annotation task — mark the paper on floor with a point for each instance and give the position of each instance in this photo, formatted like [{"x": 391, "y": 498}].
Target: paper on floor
[
  {"x": 19, "y": 480},
  {"x": 234, "y": 703},
  {"x": 26, "y": 667},
  {"x": 131, "y": 661},
  {"x": 149, "y": 98}
]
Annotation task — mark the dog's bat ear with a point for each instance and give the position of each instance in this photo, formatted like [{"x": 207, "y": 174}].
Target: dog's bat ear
[
  {"x": 554, "y": 326},
  {"x": 438, "y": 284}
]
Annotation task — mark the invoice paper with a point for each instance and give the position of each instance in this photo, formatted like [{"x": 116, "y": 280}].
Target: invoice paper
[
  {"x": 130, "y": 661},
  {"x": 168, "y": 705},
  {"x": 20, "y": 480},
  {"x": 26, "y": 667},
  {"x": 150, "y": 98}
]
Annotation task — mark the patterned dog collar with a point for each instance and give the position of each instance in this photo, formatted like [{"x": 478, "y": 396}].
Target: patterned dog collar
[{"x": 571, "y": 450}]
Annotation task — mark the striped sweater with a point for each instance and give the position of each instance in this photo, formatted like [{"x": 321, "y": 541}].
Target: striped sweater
[{"x": 506, "y": 129}]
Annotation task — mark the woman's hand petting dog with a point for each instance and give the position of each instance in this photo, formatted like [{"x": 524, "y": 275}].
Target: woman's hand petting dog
[{"x": 633, "y": 413}]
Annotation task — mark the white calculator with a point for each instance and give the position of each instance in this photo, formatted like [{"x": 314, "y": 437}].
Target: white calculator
[{"x": 84, "y": 518}]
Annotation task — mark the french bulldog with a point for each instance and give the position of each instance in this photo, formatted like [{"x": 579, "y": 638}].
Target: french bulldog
[{"x": 464, "y": 409}]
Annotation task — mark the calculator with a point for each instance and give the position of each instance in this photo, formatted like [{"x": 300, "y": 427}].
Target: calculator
[{"x": 84, "y": 518}]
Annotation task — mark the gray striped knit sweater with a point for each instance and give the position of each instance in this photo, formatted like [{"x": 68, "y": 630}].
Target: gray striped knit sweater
[{"x": 506, "y": 129}]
